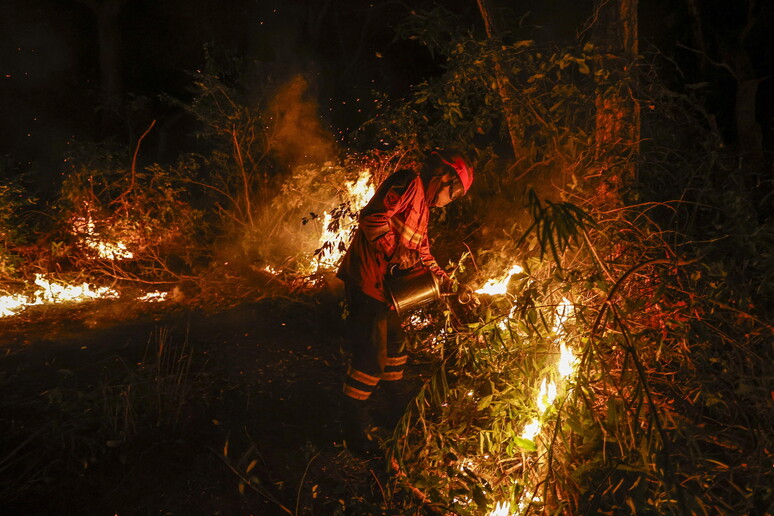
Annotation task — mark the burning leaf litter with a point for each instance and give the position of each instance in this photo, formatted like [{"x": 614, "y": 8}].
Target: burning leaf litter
[{"x": 51, "y": 292}]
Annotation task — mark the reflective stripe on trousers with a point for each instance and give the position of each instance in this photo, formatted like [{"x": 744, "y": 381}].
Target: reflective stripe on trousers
[{"x": 377, "y": 342}]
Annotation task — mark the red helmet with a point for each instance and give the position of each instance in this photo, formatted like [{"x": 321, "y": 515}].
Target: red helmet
[{"x": 463, "y": 169}]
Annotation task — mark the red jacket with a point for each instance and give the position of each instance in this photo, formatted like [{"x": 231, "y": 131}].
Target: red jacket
[{"x": 397, "y": 215}]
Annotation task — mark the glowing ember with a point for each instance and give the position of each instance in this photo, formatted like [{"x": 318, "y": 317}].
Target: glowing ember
[
  {"x": 499, "y": 287},
  {"x": 91, "y": 239},
  {"x": 357, "y": 193},
  {"x": 271, "y": 270},
  {"x": 154, "y": 297},
  {"x": 418, "y": 320}
]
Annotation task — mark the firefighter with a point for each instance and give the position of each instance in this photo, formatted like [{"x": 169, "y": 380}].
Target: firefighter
[{"x": 392, "y": 232}]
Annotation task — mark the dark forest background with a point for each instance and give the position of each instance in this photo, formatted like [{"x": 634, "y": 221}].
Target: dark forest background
[{"x": 78, "y": 69}]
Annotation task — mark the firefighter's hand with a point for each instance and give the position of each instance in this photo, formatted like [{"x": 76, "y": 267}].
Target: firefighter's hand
[
  {"x": 405, "y": 258},
  {"x": 446, "y": 284}
]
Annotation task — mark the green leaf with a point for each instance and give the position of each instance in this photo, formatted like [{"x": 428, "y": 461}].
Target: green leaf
[
  {"x": 484, "y": 402},
  {"x": 525, "y": 444}
]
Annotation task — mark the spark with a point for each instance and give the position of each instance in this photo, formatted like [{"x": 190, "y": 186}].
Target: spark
[{"x": 419, "y": 320}]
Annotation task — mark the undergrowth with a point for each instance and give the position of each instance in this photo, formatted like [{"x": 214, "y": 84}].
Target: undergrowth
[
  {"x": 665, "y": 411},
  {"x": 92, "y": 419}
]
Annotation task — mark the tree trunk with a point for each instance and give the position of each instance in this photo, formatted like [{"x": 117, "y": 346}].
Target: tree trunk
[
  {"x": 617, "y": 122},
  {"x": 107, "y": 13},
  {"x": 492, "y": 32},
  {"x": 748, "y": 130},
  {"x": 734, "y": 58}
]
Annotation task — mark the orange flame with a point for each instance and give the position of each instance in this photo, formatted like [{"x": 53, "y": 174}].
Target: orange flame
[
  {"x": 50, "y": 292},
  {"x": 565, "y": 367},
  {"x": 357, "y": 193},
  {"x": 113, "y": 251},
  {"x": 499, "y": 287}
]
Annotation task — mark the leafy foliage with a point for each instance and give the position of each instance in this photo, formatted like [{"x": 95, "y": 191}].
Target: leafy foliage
[
  {"x": 111, "y": 212},
  {"x": 14, "y": 200},
  {"x": 550, "y": 96},
  {"x": 643, "y": 424}
]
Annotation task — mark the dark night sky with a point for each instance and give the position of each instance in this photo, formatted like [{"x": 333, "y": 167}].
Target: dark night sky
[{"x": 49, "y": 87}]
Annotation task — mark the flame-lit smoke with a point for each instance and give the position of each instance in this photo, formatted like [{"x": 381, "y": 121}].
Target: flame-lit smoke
[
  {"x": 299, "y": 143},
  {"x": 297, "y": 136}
]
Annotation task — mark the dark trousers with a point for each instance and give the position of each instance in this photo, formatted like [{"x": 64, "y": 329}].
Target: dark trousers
[{"x": 378, "y": 346}]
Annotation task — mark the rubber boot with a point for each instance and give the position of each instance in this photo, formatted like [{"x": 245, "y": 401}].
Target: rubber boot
[{"x": 356, "y": 428}]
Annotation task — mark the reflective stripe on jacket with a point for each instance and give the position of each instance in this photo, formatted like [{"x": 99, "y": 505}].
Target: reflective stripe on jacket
[{"x": 397, "y": 215}]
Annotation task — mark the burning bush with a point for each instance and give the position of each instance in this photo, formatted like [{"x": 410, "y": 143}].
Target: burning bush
[
  {"x": 116, "y": 215},
  {"x": 13, "y": 200}
]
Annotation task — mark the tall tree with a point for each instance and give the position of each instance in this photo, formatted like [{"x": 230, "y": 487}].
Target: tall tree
[
  {"x": 493, "y": 32},
  {"x": 615, "y": 35},
  {"x": 107, "y": 13},
  {"x": 727, "y": 47}
]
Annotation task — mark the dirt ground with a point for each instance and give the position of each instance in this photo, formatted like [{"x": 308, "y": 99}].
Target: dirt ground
[{"x": 119, "y": 407}]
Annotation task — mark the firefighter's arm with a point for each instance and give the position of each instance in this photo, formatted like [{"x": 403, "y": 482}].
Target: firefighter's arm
[
  {"x": 375, "y": 223},
  {"x": 427, "y": 259}
]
